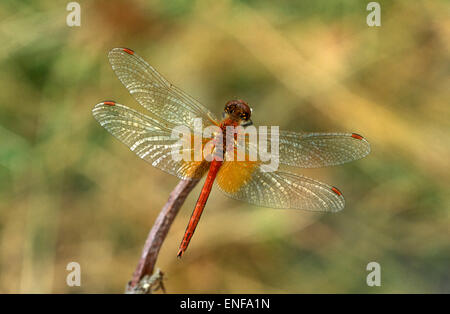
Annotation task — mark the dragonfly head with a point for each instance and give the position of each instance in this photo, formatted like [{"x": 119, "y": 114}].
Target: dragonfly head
[{"x": 239, "y": 111}]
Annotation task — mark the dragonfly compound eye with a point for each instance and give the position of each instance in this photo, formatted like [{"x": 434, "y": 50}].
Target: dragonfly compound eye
[{"x": 230, "y": 108}]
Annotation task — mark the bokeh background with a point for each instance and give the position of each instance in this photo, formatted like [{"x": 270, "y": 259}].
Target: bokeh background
[{"x": 70, "y": 192}]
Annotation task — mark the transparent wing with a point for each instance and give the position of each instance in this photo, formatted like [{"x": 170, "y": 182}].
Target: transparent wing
[
  {"x": 154, "y": 92},
  {"x": 276, "y": 189},
  {"x": 314, "y": 150},
  {"x": 148, "y": 138}
]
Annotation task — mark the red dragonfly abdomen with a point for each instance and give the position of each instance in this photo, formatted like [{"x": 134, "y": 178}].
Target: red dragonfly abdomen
[{"x": 201, "y": 202}]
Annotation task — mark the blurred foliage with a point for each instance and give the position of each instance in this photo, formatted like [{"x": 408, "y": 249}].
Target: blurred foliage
[{"x": 70, "y": 192}]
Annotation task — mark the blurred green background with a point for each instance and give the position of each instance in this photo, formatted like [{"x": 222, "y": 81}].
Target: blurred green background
[{"x": 70, "y": 192}]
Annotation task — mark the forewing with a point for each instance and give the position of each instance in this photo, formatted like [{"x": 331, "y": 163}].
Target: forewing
[
  {"x": 314, "y": 150},
  {"x": 154, "y": 92},
  {"x": 148, "y": 138},
  {"x": 246, "y": 181}
]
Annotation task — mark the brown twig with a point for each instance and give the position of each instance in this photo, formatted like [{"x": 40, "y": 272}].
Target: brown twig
[{"x": 156, "y": 236}]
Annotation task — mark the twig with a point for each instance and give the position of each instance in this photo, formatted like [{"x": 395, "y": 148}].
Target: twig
[{"x": 156, "y": 237}]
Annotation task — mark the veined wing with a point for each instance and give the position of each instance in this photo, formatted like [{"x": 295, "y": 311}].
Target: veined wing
[
  {"x": 245, "y": 181},
  {"x": 149, "y": 138},
  {"x": 314, "y": 150},
  {"x": 154, "y": 92}
]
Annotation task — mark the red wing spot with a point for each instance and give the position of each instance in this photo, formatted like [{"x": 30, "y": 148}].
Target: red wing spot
[
  {"x": 109, "y": 103},
  {"x": 357, "y": 136},
  {"x": 129, "y": 51},
  {"x": 335, "y": 190}
]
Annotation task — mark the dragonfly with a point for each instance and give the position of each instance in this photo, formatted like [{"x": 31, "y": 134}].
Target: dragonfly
[{"x": 150, "y": 137}]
